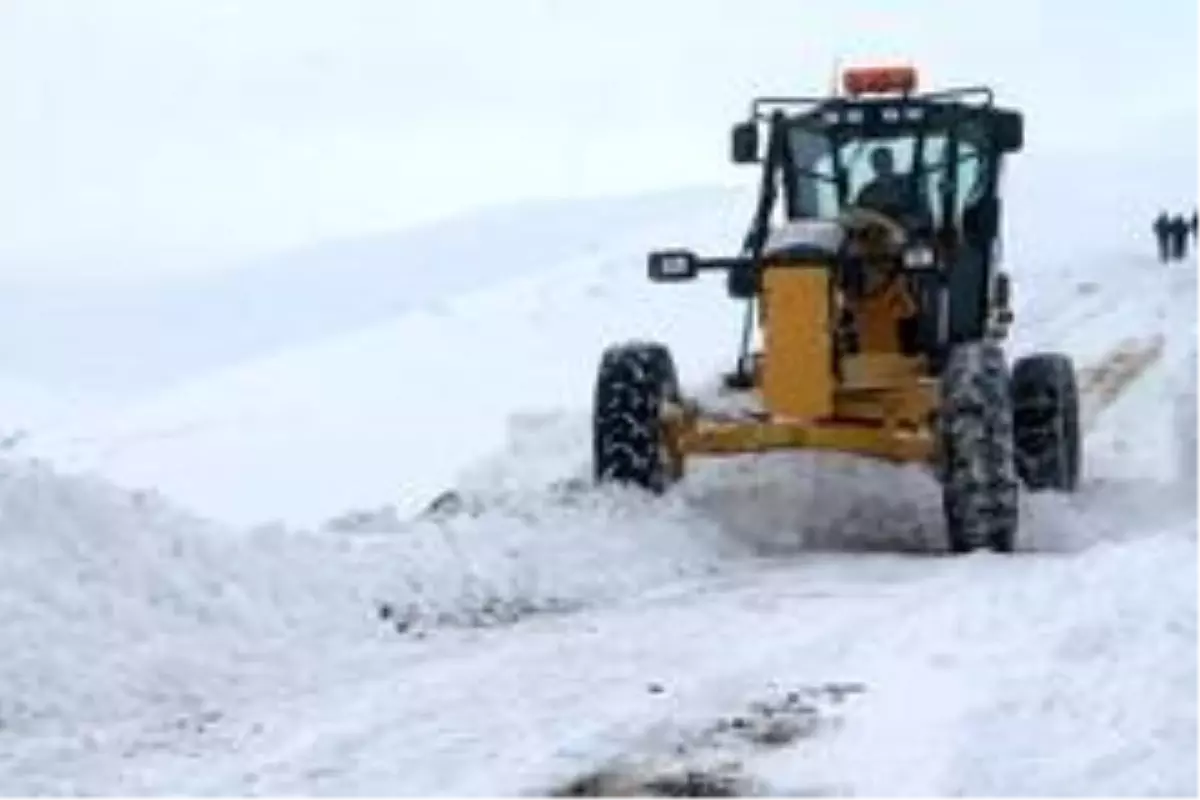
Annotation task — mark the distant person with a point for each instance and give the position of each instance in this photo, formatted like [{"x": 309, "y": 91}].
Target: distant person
[
  {"x": 1179, "y": 228},
  {"x": 1192, "y": 225},
  {"x": 1162, "y": 232}
]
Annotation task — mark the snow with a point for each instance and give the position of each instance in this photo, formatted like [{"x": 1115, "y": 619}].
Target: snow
[
  {"x": 522, "y": 635},
  {"x": 26, "y": 406},
  {"x": 217, "y": 575},
  {"x": 365, "y": 400},
  {"x": 147, "y": 335},
  {"x": 166, "y": 626}
]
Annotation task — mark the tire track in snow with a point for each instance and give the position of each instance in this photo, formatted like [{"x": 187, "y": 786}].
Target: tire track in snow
[{"x": 1103, "y": 383}]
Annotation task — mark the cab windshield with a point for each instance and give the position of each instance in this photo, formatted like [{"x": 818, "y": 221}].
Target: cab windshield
[{"x": 891, "y": 174}]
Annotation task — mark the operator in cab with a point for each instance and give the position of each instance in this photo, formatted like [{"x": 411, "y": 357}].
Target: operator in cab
[{"x": 885, "y": 192}]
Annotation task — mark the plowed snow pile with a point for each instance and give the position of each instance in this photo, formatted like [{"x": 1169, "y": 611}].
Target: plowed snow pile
[{"x": 134, "y": 629}]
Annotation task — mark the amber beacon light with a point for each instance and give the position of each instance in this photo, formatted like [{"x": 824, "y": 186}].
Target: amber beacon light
[{"x": 858, "y": 81}]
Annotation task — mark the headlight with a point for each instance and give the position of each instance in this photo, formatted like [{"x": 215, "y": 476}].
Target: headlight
[
  {"x": 918, "y": 256},
  {"x": 672, "y": 265},
  {"x": 675, "y": 265}
]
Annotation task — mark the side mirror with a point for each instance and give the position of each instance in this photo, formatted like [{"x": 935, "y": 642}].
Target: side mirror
[
  {"x": 668, "y": 266},
  {"x": 1008, "y": 128},
  {"x": 744, "y": 143}
]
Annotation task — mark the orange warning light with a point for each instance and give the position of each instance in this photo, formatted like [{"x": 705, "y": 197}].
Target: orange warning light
[{"x": 879, "y": 80}]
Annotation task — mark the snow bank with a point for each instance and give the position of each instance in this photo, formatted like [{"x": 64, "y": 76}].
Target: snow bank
[
  {"x": 112, "y": 598},
  {"x": 135, "y": 631}
]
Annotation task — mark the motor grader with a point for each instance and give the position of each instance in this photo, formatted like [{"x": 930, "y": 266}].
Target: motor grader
[{"x": 876, "y": 311}]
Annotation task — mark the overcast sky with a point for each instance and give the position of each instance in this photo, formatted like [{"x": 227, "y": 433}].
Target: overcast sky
[{"x": 170, "y": 134}]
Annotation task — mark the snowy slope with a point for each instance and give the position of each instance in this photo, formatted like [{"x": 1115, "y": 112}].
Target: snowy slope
[
  {"x": 145, "y": 334},
  {"x": 390, "y": 412}
]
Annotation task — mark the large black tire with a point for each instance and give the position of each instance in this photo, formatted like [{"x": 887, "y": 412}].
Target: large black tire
[
  {"x": 1046, "y": 419},
  {"x": 633, "y": 381},
  {"x": 977, "y": 452}
]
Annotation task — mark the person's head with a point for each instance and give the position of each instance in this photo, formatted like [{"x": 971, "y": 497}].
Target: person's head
[{"x": 882, "y": 161}]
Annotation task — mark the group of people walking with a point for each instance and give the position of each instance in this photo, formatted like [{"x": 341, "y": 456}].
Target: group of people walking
[{"x": 1173, "y": 232}]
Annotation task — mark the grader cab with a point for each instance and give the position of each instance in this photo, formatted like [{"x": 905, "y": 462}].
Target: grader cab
[{"x": 871, "y": 277}]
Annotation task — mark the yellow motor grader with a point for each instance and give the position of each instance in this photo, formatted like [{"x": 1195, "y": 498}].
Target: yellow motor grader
[{"x": 871, "y": 276}]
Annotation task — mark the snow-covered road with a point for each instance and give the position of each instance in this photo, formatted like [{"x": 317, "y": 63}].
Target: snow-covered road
[{"x": 977, "y": 677}]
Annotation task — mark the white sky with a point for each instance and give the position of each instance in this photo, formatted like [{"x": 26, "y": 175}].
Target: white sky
[{"x": 172, "y": 134}]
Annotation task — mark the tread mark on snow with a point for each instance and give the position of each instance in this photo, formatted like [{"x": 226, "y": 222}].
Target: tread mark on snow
[{"x": 1103, "y": 383}]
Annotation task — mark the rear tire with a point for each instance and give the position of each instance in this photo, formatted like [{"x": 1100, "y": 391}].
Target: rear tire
[
  {"x": 633, "y": 382},
  {"x": 975, "y": 436},
  {"x": 1046, "y": 422}
]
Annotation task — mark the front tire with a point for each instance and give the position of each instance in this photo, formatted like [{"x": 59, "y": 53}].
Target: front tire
[
  {"x": 633, "y": 383},
  {"x": 1046, "y": 417},
  {"x": 975, "y": 431}
]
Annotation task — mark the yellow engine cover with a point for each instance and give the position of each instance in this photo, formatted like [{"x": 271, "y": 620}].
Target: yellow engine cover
[{"x": 797, "y": 368}]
